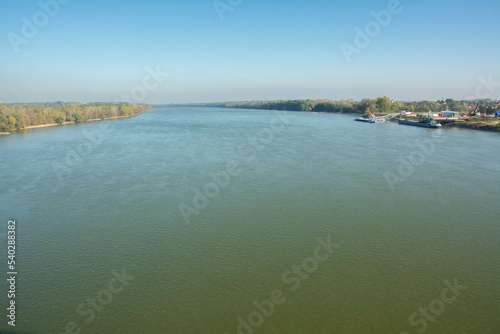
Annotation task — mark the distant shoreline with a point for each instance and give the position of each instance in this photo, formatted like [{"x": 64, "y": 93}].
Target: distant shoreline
[{"x": 474, "y": 124}]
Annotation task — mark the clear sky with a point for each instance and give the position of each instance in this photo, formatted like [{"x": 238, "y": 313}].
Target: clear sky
[{"x": 87, "y": 50}]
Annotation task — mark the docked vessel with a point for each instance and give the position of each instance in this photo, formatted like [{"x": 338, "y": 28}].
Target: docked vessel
[
  {"x": 424, "y": 124},
  {"x": 364, "y": 119},
  {"x": 376, "y": 119}
]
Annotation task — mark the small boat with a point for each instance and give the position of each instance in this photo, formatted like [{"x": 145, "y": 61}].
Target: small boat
[
  {"x": 424, "y": 124},
  {"x": 434, "y": 124},
  {"x": 364, "y": 119}
]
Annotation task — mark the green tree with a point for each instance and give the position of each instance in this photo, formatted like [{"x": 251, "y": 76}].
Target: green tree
[
  {"x": 78, "y": 118},
  {"x": 25, "y": 120},
  {"x": 383, "y": 104},
  {"x": 60, "y": 118},
  {"x": 367, "y": 104},
  {"x": 397, "y": 106},
  {"x": 125, "y": 110}
]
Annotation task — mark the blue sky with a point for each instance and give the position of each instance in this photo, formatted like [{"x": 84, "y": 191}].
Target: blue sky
[{"x": 261, "y": 50}]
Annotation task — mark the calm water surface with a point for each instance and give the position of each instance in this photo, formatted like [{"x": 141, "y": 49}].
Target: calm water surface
[{"x": 405, "y": 208}]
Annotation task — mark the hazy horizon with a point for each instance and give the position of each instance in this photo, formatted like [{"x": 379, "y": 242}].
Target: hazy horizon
[
  {"x": 169, "y": 52},
  {"x": 235, "y": 101}
]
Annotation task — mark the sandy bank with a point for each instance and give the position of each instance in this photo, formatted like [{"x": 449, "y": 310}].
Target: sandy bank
[{"x": 66, "y": 123}]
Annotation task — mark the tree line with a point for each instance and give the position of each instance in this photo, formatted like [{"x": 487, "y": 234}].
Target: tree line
[
  {"x": 380, "y": 105},
  {"x": 18, "y": 115}
]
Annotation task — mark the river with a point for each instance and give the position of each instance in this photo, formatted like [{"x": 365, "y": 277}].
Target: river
[{"x": 206, "y": 220}]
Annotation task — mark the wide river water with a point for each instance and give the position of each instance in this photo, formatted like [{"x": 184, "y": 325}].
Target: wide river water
[{"x": 206, "y": 220}]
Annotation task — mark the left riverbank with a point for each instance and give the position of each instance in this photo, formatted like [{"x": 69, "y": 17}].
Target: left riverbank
[
  {"x": 66, "y": 123},
  {"x": 19, "y": 117}
]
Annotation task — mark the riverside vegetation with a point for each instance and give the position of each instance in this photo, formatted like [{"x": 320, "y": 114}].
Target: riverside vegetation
[
  {"x": 380, "y": 105},
  {"x": 24, "y": 115}
]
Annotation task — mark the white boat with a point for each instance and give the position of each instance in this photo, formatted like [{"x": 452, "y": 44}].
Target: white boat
[{"x": 364, "y": 119}]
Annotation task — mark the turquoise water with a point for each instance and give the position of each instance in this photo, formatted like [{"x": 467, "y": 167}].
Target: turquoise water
[{"x": 205, "y": 220}]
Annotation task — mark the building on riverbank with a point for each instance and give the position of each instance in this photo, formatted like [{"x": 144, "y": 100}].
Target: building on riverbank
[{"x": 450, "y": 114}]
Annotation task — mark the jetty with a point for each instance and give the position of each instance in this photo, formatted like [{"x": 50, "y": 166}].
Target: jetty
[{"x": 377, "y": 119}]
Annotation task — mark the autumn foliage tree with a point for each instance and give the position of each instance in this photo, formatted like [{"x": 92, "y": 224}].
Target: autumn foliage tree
[{"x": 18, "y": 116}]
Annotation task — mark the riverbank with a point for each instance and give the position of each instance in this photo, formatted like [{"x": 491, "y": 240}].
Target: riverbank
[
  {"x": 320, "y": 106},
  {"x": 472, "y": 123},
  {"x": 24, "y": 116},
  {"x": 66, "y": 123},
  {"x": 482, "y": 124}
]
